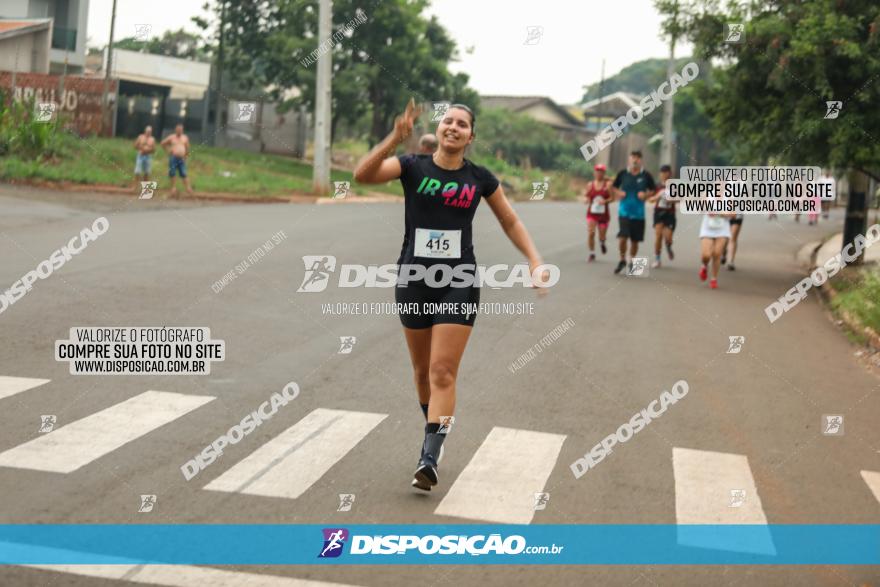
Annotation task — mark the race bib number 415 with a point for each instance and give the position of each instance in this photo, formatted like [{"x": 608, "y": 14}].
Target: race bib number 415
[{"x": 432, "y": 243}]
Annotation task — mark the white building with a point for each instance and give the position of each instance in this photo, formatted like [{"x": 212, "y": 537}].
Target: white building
[
  {"x": 24, "y": 45},
  {"x": 69, "y": 28}
]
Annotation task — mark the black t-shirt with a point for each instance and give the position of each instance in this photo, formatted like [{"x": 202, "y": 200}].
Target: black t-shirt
[{"x": 438, "y": 203}]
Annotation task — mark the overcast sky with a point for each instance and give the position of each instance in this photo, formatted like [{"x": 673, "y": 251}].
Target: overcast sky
[{"x": 575, "y": 37}]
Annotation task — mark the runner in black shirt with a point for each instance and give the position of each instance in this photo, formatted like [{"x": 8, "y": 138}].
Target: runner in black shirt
[{"x": 441, "y": 194}]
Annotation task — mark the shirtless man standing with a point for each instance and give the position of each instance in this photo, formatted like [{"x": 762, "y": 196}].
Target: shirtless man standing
[
  {"x": 177, "y": 145},
  {"x": 145, "y": 145}
]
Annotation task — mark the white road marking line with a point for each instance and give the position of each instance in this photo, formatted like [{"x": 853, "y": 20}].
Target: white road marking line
[
  {"x": 704, "y": 481},
  {"x": 77, "y": 444},
  {"x": 872, "y": 478},
  {"x": 11, "y": 385},
  {"x": 500, "y": 482},
  {"x": 290, "y": 463}
]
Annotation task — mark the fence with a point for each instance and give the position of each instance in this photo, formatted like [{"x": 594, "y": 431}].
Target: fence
[{"x": 79, "y": 99}]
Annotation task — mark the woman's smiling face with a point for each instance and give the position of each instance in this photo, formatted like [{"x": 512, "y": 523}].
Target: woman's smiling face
[{"x": 455, "y": 130}]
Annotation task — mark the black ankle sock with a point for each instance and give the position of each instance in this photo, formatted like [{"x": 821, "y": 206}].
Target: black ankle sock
[
  {"x": 433, "y": 440},
  {"x": 425, "y": 410}
]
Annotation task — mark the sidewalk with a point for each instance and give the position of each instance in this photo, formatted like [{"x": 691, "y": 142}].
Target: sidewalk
[{"x": 832, "y": 246}]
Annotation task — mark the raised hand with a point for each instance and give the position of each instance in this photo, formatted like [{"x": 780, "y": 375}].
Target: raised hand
[{"x": 403, "y": 124}]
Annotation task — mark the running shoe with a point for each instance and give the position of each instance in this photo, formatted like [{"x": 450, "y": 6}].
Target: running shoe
[
  {"x": 731, "y": 267},
  {"x": 669, "y": 252},
  {"x": 620, "y": 267},
  {"x": 704, "y": 273},
  {"x": 724, "y": 259},
  {"x": 591, "y": 258},
  {"x": 425, "y": 476},
  {"x": 603, "y": 247},
  {"x": 713, "y": 284},
  {"x": 655, "y": 264}
]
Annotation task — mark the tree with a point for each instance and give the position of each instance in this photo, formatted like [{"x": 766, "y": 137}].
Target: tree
[
  {"x": 377, "y": 65},
  {"x": 640, "y": 78},
  {"x": 179, "y": 43},
  {"x": 771, "y": 95}
]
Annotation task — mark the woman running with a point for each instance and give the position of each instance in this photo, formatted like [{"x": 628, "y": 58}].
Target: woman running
[
  {"x": 736, "y": 224},
  {"x": 597, "y": 198},
  {"x": 714, "y": 233},
  {"x": 441, "y": 195},
  {"x": 664, "y": 217}
]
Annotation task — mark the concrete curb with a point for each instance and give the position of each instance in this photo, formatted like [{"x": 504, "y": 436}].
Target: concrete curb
[
  {"x": 827, "y": 294},
  {"x": 231, "y": 198}
]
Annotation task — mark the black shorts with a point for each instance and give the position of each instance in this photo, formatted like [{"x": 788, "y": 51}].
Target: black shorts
[
  {"x": 632, "y": 228},
  {"x": 736, "y": 221},
  {"x": 664, "y": 217},
  {"x": 421, "y": 305}
]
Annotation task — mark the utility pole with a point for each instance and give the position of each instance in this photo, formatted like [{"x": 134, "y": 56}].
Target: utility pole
[
  {"x": 669, "y": 105},
  {"x": 321, "y": 168},
  {"x": 219, "y": 97},
  {"x": 108, "y": 69}
]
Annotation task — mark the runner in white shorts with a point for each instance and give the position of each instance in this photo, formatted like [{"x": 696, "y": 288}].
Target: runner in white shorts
[{"x": 714, "y": 233}]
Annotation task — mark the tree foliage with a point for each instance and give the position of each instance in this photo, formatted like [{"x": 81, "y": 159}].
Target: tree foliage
[
  {"x": 377, "y": 65},
  {"x": 768, "y": 95},
  {"x": 179, "y": 43}
]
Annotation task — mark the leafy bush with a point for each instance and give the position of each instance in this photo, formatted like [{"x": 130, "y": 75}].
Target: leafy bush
[{"x": 22, "y": 135}]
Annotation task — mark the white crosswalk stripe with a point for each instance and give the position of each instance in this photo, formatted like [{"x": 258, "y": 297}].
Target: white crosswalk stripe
[
  {"x": 501, "y": 480},
  {"x": 77, "y": 444},
  {"x": 717, "y": 488},
  {"x": 11, "y": 385},
  {"x": 872, "y": 478},
  {"x": 290, "y": 463}
]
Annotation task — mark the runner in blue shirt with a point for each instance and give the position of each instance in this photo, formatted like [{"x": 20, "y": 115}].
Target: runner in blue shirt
[{"x": 633, "y": 185}]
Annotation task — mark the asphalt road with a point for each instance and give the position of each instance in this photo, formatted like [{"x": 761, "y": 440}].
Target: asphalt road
[{"x": 631, "y": 339}]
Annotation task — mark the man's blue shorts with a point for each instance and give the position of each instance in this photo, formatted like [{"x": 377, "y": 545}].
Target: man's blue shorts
[{"x": 176, "y": 164}]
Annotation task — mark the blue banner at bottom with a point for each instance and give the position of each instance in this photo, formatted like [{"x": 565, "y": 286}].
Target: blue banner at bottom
[{"x": 457, "y": 544}]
